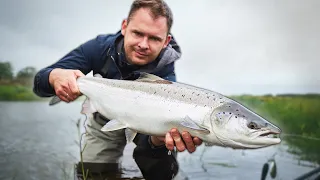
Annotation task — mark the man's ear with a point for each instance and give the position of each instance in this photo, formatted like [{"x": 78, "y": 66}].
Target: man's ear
[
  {"x": 168, "y": 39},
  {"x": 124, "y": 26}
]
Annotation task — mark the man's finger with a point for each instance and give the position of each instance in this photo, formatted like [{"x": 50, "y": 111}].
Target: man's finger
[
  {"x": 177, "y": 140},
  {"x": 188, "y": 141},
  {"x": 68, "y": 96},
  {"x": 73, "y": 89},
  {"x": 169, "y": 142},
  {"x": 78, "y": 73},
  {"x": 63, "y": 97},
  {"x": 197, "y": 141},
  {"x": 60, "y": 92}
]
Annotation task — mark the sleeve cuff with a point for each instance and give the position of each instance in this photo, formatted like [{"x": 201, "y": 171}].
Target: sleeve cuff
[{"x": 42, "y": 85}]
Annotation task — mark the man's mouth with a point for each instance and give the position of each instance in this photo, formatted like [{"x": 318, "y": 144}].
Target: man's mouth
[{"x": 141, "y": 54}]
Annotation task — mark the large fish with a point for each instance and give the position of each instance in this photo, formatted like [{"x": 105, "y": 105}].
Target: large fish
[{"x": 152, "y": 105}]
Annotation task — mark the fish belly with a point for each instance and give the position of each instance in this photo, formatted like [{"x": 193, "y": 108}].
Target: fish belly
[{"x": 145, "y": 112}]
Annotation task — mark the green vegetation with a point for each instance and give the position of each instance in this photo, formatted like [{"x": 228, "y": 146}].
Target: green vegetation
[
  {"x": 17, "y": 93},
  {"x": 297, "y": 115},
  {"x": 19, "y": 87}
]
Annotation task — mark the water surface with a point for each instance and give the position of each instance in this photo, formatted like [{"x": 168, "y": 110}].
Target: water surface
[{"x": 38, "y": 141}]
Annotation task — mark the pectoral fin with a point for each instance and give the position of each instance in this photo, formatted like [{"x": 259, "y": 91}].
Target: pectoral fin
[
  {"x": 130, "y": 135},
  {"x": 113, "y": 125},
  {"x": 188, "y": 123}
]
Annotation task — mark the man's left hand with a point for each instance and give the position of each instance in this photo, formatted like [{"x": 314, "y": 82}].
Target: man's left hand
[{"x": 182, "y": 141}]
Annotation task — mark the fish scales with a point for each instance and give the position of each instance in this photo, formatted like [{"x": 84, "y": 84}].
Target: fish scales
[{"x": 152, "y": 105}]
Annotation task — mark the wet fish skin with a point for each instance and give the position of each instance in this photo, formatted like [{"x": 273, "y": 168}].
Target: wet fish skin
[{"x": 152, "y": 105}]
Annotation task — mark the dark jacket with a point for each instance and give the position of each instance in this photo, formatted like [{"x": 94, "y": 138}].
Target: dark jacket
[
  {"x": 94, "y": 54},
  {"x": 104, "y": 55}
]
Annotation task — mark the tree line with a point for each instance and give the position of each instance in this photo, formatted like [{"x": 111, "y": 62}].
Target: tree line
[{"x": 23, "y": 77}]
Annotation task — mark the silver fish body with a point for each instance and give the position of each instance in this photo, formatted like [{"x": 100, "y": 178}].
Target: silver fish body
[{"x": 151, "y": 105}]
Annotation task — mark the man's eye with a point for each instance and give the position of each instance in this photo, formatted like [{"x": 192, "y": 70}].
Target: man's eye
[
  {"x": 154, "y": 39},
  {"x": 137, "y": 33}
]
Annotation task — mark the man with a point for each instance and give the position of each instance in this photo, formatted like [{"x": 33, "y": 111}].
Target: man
[{"x": 144, "y": 44}]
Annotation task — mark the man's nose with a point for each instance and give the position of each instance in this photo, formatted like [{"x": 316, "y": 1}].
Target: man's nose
[{"x": 144, "y": 43}]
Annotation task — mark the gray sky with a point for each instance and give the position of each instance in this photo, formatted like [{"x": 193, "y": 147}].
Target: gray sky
[{"x": 229, "y": 46}]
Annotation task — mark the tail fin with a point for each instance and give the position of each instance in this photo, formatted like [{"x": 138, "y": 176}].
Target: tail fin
[{"x": 54, "y": 100}]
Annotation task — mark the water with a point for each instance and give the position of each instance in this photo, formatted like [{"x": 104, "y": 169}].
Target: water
[{"x": 38, "y": 141}]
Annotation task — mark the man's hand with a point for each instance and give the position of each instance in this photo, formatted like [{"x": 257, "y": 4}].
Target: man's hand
[
  {"x": 64, "y": 83},
  {"x": 173, "y": 138}
]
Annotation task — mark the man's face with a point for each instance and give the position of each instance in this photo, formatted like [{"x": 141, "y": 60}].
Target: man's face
[{"x": 144, "y": 37}]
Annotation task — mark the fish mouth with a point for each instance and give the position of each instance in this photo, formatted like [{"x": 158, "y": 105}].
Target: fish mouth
[{"x": 270, "y": 134}]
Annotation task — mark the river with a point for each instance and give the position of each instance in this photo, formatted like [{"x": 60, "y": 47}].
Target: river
[{"x": 38, "y": 141}]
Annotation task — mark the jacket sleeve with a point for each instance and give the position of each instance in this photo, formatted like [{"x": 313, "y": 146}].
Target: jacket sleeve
[{"x": 81, "y": 58}]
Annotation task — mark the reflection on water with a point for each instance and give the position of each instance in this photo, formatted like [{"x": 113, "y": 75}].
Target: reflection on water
[{"x": 38, "y": 142}]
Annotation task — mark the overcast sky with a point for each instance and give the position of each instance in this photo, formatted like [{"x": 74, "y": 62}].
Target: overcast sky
[{"x": 229, "y": 46}]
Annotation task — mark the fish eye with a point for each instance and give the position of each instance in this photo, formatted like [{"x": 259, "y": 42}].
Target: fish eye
[{"x": 253, "y": 125}]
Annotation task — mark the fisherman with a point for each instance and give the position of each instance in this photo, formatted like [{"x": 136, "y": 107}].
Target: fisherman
[{"x": 144, "y": 44}]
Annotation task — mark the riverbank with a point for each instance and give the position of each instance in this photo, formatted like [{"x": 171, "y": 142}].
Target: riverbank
[{"x": 17, "y": 92}]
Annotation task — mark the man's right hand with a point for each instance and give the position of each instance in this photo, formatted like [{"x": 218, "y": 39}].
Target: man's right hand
[{"x": 64, "y": 83}]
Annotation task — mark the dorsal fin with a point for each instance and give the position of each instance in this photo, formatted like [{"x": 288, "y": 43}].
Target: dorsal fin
[{"x": 151, "y": 78}]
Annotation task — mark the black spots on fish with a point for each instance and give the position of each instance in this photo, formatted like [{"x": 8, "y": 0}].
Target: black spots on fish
[
  {"x": 175, "y": 92},
  {"x": 190, "y": 99},
  {"x": 198, "y": 94},
  {"x": 241, "y": 115},
  {"x": 155, "y": 92},
  {"x": 208, "y": 97},
  {"x": 183, "y": 95},
  {"x": 192, "y": 92},
  {"x": 237, "y": 109}
]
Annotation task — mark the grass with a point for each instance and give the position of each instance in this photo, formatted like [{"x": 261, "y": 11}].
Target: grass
[{"x": 16, "y": 92}]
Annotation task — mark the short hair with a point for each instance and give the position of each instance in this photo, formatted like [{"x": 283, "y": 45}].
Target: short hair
[{"x": 156, "y": 7}]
